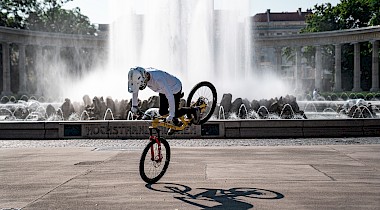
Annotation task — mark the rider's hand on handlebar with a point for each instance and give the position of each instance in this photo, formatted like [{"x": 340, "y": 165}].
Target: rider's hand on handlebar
[
  {"x": 169, "y": 119},
  {"x": 135, "y": 109}
]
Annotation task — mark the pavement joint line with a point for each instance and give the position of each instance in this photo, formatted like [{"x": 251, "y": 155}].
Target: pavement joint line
[
  {"x": 324, "y": 173},
  {"x": 69, "y": 180},
  {"x": 361, "y": 162}
]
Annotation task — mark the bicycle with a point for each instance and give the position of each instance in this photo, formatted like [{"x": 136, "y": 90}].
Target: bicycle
[{"x": 152, "y": 167}]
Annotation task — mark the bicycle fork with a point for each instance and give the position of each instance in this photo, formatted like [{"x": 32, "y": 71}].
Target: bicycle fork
[
  {"x": 158, "y": 142},
  {"x": 152, "y": 151}
]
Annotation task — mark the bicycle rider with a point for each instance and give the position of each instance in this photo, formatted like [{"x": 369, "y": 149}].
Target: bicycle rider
[{"x": 169, "y": 88}]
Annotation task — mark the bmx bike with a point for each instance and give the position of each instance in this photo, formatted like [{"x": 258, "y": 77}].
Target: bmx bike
[{"x": 155, "y": 157}]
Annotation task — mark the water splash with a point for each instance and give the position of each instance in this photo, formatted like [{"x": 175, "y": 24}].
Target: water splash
[
  {"x": 84, "y": 115},
  {"x": 240, "y": 114},
  {"x": 190, "y": 39},
  {"x": 110, "y": 113},
  {"x": 284, "y": 109},
  {"x": 221, "y": 113},
  {"x": 130, "y": 115},
  {"x": 312, "y": 105}
]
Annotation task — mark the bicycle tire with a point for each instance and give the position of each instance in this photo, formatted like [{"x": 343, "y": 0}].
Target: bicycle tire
[
  {"x": 210, "y": 109},
  {"x": 169, "y": 188},
  {"x": 152, "y": 165},
  {"x": 256, "y": 193}
]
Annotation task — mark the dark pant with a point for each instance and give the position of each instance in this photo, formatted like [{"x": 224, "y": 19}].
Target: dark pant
[{"x": 164, "y": 105}]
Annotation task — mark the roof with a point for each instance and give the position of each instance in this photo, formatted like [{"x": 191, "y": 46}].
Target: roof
[{"x": 283, "y": 16}]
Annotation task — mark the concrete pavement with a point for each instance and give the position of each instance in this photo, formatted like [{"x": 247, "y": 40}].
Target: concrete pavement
[{"x": 250, "y": 177}]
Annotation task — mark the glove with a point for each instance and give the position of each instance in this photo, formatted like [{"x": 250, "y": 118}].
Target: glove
[
  {"x": 135, "y": 109},
  {"x": 169, "y": 119}
]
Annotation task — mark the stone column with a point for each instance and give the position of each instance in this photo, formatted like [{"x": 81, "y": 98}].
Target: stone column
[
  {"x": 278, "y": 60},
  {"x": 39, "y": 70},
  {"x": 357, "y": 87},
  {"x": 257, "y": 63},
  {"x": 375, "y": 65},
  {"x": 318, "y": 67},
  {"x": 6, "y": 69},
  {"x": 21, "y": 69},
  {"x": 338, "y": 68},
  {"x": 298, "y": 79}
]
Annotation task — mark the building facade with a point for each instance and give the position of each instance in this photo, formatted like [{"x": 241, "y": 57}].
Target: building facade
[
  {"x": 272, "y": 35},
  {"x": 274, "y": 24}
]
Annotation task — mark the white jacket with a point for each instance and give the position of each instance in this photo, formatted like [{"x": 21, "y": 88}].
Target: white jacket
[{"x": 162, "y": 82}]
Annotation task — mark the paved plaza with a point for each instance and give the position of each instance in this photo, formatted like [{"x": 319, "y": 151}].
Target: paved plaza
[{"x": 341, "y": 173}]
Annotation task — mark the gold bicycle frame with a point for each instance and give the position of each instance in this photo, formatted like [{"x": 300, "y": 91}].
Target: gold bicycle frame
[{"x": 159, "y": 122}]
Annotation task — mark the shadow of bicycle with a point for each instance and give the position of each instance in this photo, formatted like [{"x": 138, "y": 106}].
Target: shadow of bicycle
[{"x": 209, "y": 198}]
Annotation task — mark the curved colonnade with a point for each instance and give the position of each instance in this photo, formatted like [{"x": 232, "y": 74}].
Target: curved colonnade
[
  {"x": 336, "y": 38},
  {"x": 23, "y": 38},
  {"x": 39, "y": 40},
  {"x": 213, "y": 129}
]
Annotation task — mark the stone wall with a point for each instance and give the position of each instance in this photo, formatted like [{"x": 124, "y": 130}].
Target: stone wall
[{"x": 139, "y": 129}]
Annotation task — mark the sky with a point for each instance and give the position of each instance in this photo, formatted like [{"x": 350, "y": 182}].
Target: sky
[{"x": 98, "y": 11}]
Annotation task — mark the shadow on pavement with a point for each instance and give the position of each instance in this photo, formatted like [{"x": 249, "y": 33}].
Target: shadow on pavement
[{"x": 210, "y": 198}]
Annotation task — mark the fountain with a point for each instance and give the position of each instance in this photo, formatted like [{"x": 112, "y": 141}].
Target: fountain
[
  {"x": 110, "y": 117},
  {"x": 241, "y": 114},
  {"x": 221, "y": 114},
  {"x": 194, "y": 40}
]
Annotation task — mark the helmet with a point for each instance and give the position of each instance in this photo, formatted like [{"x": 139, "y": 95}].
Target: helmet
[{"x": 137, "y": 79}]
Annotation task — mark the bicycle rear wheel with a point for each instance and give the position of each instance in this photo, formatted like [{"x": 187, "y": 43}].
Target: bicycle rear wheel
[
  {"x": 153, "y": 168},
  {"x": 206, "y": 92}
]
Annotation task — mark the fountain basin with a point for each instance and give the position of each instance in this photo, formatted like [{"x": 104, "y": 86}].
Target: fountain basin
[{"x": 138, "y": 129}]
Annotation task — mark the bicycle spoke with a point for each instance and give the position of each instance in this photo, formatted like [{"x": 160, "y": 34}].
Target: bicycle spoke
[
  {"x": 155, "y": 166},
  {"x": 206, "y": 93},
  {"x": 152, "y": 169}
]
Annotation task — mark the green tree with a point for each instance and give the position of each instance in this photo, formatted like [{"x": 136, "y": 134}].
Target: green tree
[
  {"x": 14, "y": 13},
  {"x": 46, "y": 15},
  {"x": 347, "y": 14},
  {"x": 323, "y": 18}
]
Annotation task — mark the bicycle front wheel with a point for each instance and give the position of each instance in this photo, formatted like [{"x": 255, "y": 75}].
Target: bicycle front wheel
[
  {"x": 154, "y": 161},
  {"x": 206, "y": 92}
]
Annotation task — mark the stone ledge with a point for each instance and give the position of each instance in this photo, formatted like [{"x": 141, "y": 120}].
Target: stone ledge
[
  {"x": 119, "y": 129},
  {"x": 371, "y": 127},
  {"x": 22, "y": 125},
  {"x": 22, "y": 134}
]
